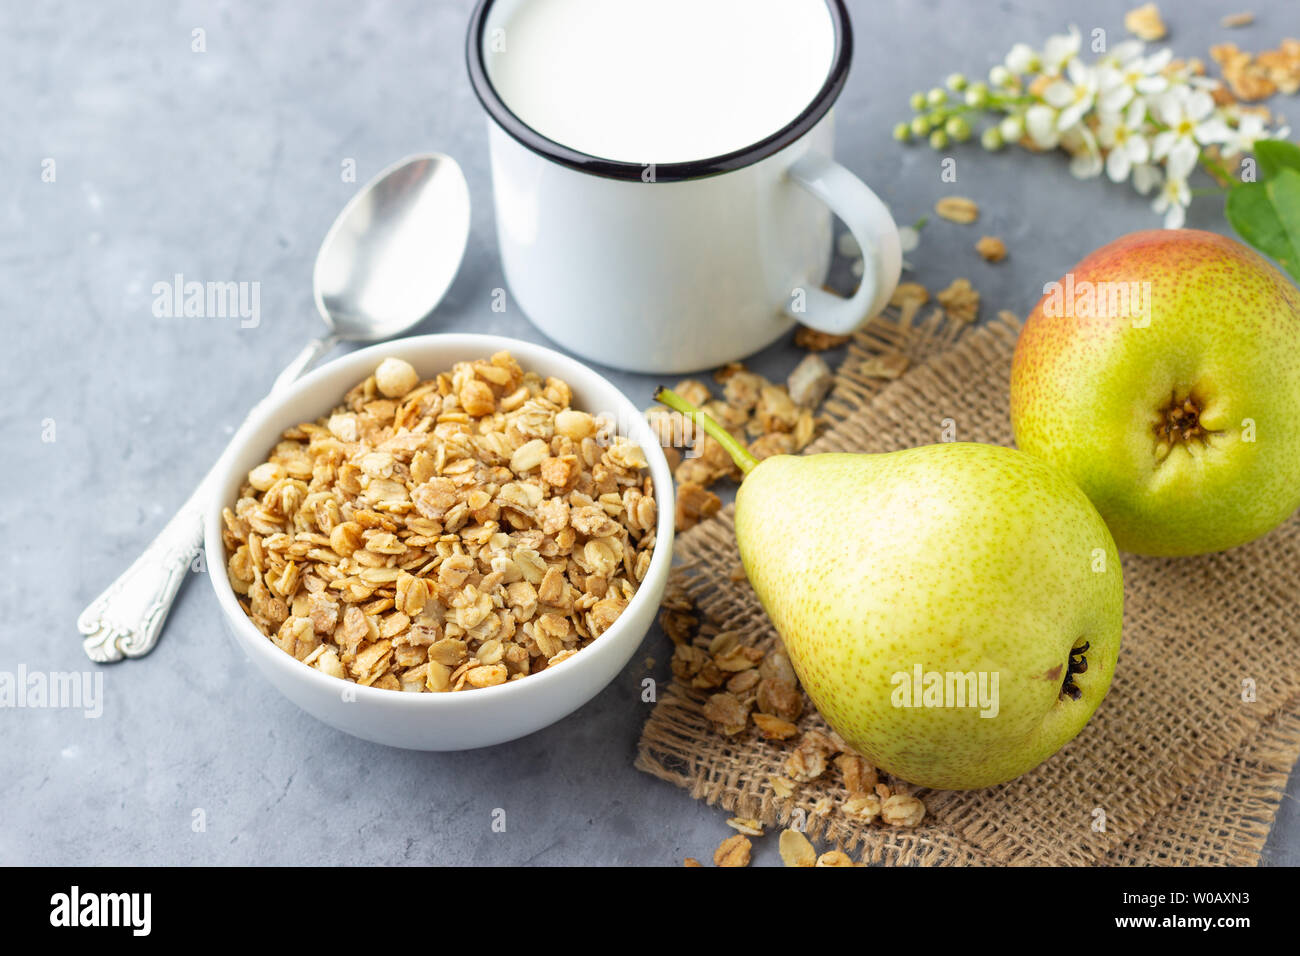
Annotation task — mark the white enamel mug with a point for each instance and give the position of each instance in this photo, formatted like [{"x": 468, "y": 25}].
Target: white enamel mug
[{"x": 680, "y": 266}]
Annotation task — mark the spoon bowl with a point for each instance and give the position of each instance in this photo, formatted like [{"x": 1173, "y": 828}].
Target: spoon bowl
[{"x": 394, "y": 250}]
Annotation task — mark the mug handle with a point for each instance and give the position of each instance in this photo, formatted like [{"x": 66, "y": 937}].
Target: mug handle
[{"x": 871, "y": 225}]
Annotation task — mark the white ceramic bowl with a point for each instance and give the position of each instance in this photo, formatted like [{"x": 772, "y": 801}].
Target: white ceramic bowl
[{"x": 465, "y": 719}]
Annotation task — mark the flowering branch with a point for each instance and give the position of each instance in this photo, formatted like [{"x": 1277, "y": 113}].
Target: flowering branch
[{"x": 1131, "y": 115}]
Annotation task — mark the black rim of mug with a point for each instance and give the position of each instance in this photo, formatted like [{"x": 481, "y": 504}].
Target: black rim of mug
[{"x": 659, "y": 172}]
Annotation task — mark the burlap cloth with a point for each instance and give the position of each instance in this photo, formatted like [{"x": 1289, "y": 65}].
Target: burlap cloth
[{"x": 1184, "y": 770}]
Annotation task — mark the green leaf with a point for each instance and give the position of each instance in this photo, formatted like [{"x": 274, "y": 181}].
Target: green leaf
[
  {"x": 1275, "y": 155},
  {"x": 1267, "y": 215}
]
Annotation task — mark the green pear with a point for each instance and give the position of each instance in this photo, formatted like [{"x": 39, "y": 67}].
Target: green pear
[
  {"x": 1162, "y": 374},
  {"x": 953, "y": 610}
]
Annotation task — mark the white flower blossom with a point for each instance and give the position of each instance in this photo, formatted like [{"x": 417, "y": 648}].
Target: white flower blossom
[
  {"x": 1180, "y": 74},
  {"x": 1060, "y": 50},
  {"x": 1073, "y": 95},
  {"x": 1040, "y": 126},
  {"x": 1180, "y": 165},
  {"x": 1121, "y": 54},
  {"x": 1124, "y": 141},
  {"x": 1173, "y": 199},
  {"x": 1175, "y": 195},
  {"x": 1141, "y": 76},
  {"x": 1023, "y": 59},
  {"x": 1146, "y": 177},
  {"x": 1085, "y": 154},
  {"x": 1189, "y": 114},
  {"x": 1250, "y": 129}
]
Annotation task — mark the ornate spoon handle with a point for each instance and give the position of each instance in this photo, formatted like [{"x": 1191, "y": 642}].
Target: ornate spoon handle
[{"x": 127, "y": 618}]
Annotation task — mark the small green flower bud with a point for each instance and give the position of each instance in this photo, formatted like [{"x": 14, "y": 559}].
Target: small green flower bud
[
  {"x": 902, "y": 132},
  {"x": 1000, "y": 76},
  {"x": 937, "y": 96},
  {"x": 991, "y": 139},
  {"x": 938, "y": 139},
  {"x": 917, "y": 101},
  {"x": 957, "y": 128},
  {"x": 920, "y": 126},
  {"x": 1012, "y": 129},
  {"x": 956, "y": 82},
  {"x": 977, "y": 96}
]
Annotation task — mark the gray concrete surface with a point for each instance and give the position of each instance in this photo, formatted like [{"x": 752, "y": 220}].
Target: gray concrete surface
[{"x": 226, "y": 165}]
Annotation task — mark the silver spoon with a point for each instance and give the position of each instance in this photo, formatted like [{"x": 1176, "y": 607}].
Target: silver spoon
[{"x": 384, "y": 265}]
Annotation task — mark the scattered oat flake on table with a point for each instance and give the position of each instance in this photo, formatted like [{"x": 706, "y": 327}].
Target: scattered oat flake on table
[
  {"x": 815, "y": 341},
  {"x": 733, "y": 851},
  {"x": 774, "y": 728},
  {"x": 796, "y": 850},
  {"x": 780, "y": 698},
  {"x": 960, "y": 300},
  {"x": 859, "y": 775},
  {"x": 958, "y": 209},
  {"x": 679, "y": 626},
  {"x": 885, "y": 365},
  {"x": 691, "y": 861},
  {"x": 805, "y": 430},
  {"x": 1246, "y": 79},
  {"x": 1144, "y": 23},
  {"x": 774, "y": 419},
  {"x": 902, "y": 810},
  {"x": 808, "y": 760},
  {"x": 810, "y": 381},
  {"x": 862, "y": 806},
  {"x": 695, "y": 503},
  {"x": 677, "y": 598},
  {"x": 1258, "y": 76},
  {"x": 906, "y": 292},
  {"x": 727, "y": 712},
  {"x": 746, "y": 825},
  {"x": 1237, "y": 20},
  {"x": 1283, "y": 65},
  {"x": 743, "y": 682},
  {"x": 722, "y": 373},
  {"x": 693, "y": 390},
  {"x": 991, "y": 248},
  {"x": 835, "y": 858},
  {"x": 783, "y": 787}
]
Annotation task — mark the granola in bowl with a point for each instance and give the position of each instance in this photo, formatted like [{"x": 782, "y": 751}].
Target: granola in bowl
[{"x": 442, "y": 535}]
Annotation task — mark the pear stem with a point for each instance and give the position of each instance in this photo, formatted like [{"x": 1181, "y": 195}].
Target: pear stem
[{"x": 738, "y": 452}]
